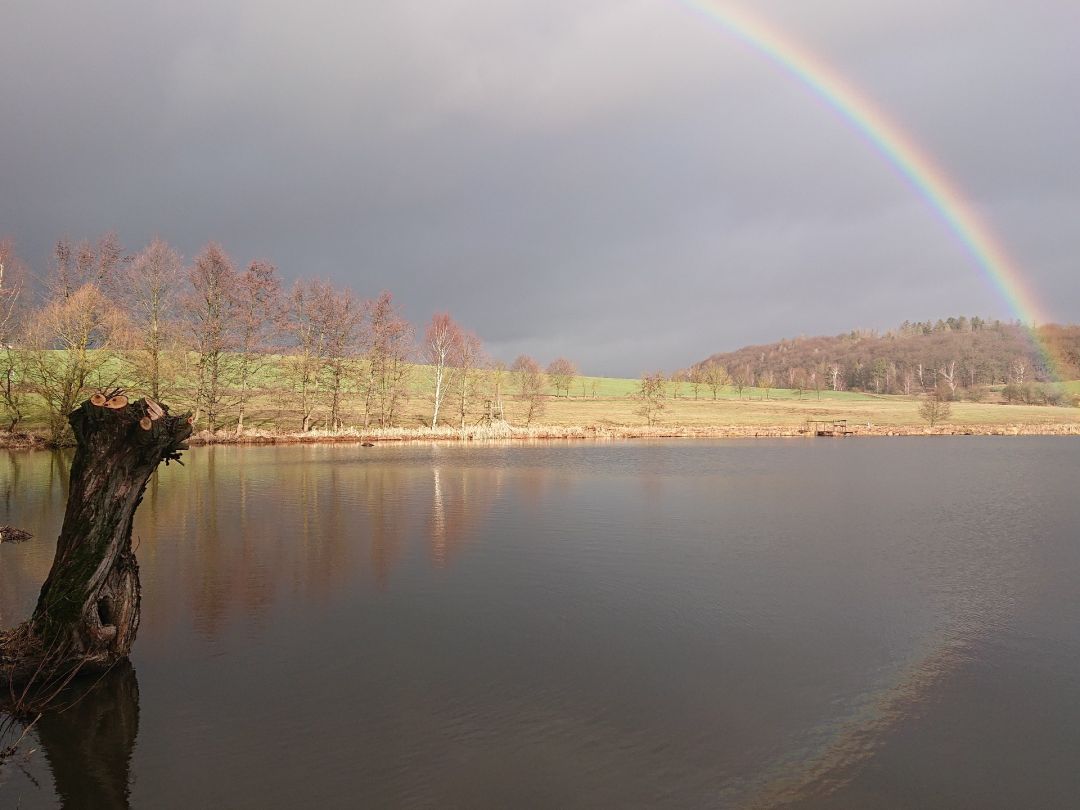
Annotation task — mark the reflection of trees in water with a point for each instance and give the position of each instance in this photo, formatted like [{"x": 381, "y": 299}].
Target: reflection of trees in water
[
  {"x": 33, "y": 490},
  {"x": 242, "y": 527},
  {"x": 327, "y": 540},
  {"x": 89, "y": 743},
  {"x": 386, "y": 504},
  {"x": 462, "y": 498},
  {"x": 223, "y": 536},
  {"x": 9, "y": 484},
  {"x": 532, "y": 484},
  {"x": 214, "y": 585}
]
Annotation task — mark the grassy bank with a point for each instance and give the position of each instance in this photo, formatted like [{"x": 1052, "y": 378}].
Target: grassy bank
[{"x": 598, "y": 406}]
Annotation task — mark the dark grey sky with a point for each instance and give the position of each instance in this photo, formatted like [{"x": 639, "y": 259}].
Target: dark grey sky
[{"x": 620, "y": 181}]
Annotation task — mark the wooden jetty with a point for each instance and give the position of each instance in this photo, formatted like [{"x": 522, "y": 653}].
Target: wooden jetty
[{"x": 827, "y": 427}]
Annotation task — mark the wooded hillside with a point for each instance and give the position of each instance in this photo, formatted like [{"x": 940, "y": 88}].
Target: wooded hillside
[{"x": 958, "y": 353}]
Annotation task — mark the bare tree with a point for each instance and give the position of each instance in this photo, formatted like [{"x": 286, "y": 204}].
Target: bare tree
[
  {"x": 561, "y": 373},
  {"x": 14, "y": 362},
  {"x": 696, "y": 377},
  {"x": 211, "y": 308},
  {"x": 258, "y": 326},
  {"x": 12, "y": 357},
  {"x": 148, "y": 287},
  {"x": 441, "y": 340},
  {"x": 530, "y": 380},
  {"x": 677, "y": 379},
  {"x": 86, "y": 263},
  {"x": 834, "y": 376},
  {"x": 817, "y": 377},
  {"x": 466, "y": 360},
  {"x": 342, "y": 316},
  {"x": 935, "y": 408},
  {"x": 109, "y": 263},
  {"x": 72, "y": 338},
  {"x": 1019, "y": 370},
  {"x": 388, "y": 341},
  {"x": 12, "y": 281},
  {"x": 766, "y": 380},
  {"x": 497, "y": 378},
  {"x": 907, "y": 380},
  {"x": 306, "y": 333},
  {"x": 63, "y": 278},
  {"x": 651, "y": 396},
  {"x": 797, "y": 380},
  {"x": 715, "y": 376}
]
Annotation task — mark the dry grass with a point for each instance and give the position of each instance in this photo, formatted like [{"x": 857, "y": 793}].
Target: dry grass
[
  {"x": 620, "y": 412},
  {"x": 606, "y": 419},
  {"x": 882, "y": 411}
]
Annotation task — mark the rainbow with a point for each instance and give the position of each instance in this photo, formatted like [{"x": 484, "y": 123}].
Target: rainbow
[{"x": 898, "y": 148}]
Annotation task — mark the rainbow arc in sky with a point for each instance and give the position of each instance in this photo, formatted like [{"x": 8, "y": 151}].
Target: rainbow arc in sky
[{"x": 899, "y": 148}]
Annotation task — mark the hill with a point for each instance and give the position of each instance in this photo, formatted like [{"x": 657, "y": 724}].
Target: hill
[{"x": 960, "y": 353}]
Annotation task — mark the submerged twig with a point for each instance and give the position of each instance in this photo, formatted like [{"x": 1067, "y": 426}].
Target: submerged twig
[{"x": 10, "y": 534}]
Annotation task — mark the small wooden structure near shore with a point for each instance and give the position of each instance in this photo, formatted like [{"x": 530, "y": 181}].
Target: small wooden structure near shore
[{"x": 827, "y": 427}]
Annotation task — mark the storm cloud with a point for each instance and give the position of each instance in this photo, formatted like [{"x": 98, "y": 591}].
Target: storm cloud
[{"x": 619, "y": 181}]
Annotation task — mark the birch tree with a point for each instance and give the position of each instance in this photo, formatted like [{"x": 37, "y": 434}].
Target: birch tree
[
  {"x": 948, "y": 374},
  {"x": 441, "y": 340}
]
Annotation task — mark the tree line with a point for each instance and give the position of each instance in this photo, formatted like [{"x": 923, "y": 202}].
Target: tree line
[
  {"x": 214, "y": 337},
  {"x": 960, "y": 355}
]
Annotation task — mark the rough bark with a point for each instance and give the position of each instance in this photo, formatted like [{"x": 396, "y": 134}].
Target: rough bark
[{"x": 87, "y": 613}]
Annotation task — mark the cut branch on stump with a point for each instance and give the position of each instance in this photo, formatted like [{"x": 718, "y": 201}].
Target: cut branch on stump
[{"x": 87, "y": 614}]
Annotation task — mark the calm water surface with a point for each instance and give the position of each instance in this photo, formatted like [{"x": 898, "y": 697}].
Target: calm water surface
[{"x": 819, "y": 623}]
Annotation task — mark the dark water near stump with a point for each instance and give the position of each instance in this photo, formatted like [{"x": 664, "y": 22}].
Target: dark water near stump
[{"x": 886, "y": 623}]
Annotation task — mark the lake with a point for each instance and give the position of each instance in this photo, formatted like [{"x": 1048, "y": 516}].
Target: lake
[{"x": 766, "y": 623}]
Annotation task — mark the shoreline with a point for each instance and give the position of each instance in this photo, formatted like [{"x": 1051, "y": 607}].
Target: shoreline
[
  {"x": 623, "y": 432},
  {"x": 29, "y": 441}
]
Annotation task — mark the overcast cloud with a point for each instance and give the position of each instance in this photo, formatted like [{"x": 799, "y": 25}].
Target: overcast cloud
[{"x": 619, "y": 181}]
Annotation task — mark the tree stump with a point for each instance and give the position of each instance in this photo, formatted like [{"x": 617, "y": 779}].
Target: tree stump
[{"x": 87, "y": 614}]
